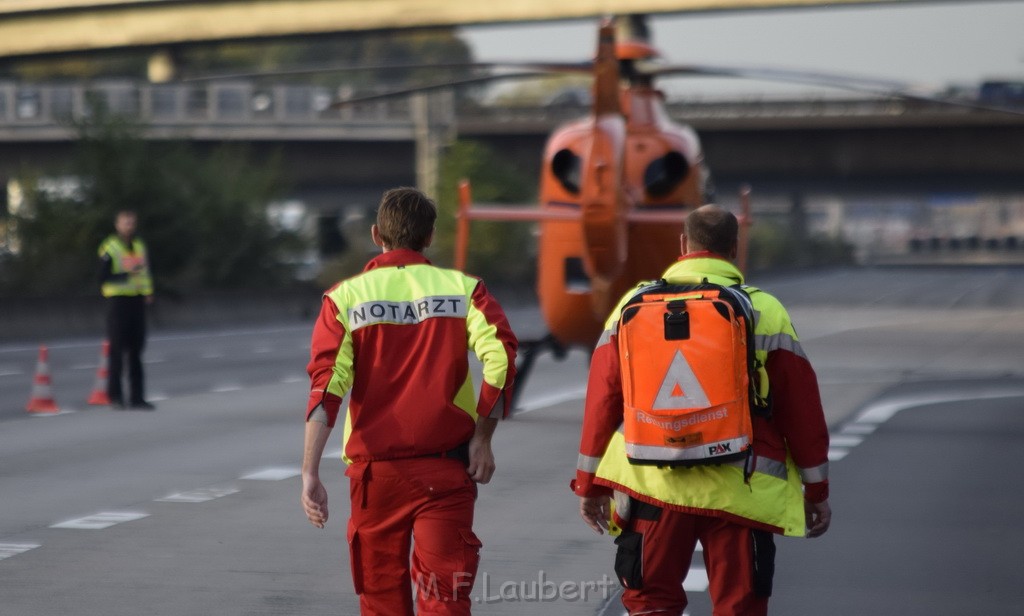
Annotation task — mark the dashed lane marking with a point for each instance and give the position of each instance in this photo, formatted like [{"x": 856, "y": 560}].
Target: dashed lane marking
[
  {"x": 101, "y": 520},
  {"x": 275, "y": 473},
  {"x": 226, "y": 388},
  {"x": 835, "y": 454},
  {"x": 13, "y": 549},
  {"x": 527, "y": 406},
  {"x": 840, "y": 440},
  {"x": 696, "y": 580},
  {"x": 198, "y": 496},
  {"x": 60, "y": 412}
]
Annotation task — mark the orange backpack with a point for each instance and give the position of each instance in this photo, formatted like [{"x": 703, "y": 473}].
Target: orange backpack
[{"x": 689, "y": 375}]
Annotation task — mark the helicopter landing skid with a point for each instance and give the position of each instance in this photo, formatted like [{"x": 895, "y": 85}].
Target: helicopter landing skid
[{"x": 528, "y": 351}]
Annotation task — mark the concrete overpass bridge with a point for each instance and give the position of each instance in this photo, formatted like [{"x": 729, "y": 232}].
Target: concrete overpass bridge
[
  {"x": 41, "y": 27},
  {"x": 859, "y": 144},
  {"x": 808, "y": 152}
]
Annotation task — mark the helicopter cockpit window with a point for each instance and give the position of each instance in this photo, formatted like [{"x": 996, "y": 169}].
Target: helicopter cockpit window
[
  {"x": 566, "y": 167},
  {"x": 664, "y": 174}
]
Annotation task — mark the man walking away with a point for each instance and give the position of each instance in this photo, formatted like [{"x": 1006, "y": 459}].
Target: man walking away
[
  {"x": 733, "y": 508},
  {"x": 395, "y": 338}
]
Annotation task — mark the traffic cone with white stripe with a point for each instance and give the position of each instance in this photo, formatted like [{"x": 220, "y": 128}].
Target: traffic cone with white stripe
[
  {"x": 99, "y": 396},
  {"x": 42, "y": 398}
]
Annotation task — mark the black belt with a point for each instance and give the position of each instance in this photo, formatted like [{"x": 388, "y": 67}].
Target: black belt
[{"x": 460, "y": 452}]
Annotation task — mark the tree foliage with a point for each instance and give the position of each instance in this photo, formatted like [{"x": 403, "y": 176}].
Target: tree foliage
[
  {"x": 202, "y": 215},
  {"x": 499, "y": 251}
]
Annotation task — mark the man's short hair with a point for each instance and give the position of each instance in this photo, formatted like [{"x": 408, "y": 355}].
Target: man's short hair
[
  {"x": 405, "y": 218},
  {"x": 711, "y": 227}
]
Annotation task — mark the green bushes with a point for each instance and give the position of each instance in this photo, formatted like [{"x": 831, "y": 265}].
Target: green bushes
[{"x": 201, "y": 214}]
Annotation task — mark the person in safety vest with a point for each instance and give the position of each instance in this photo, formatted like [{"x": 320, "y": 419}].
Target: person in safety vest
[
  {"x": 396, "y": 339},
  {"x": 128, "y": 286},
  {"x": 663, "y": 511}
]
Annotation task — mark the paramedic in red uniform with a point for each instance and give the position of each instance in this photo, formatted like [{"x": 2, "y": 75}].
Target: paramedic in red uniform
[
  {"x": 417, "y": 441},
  {"x": 664, "y": 511}
]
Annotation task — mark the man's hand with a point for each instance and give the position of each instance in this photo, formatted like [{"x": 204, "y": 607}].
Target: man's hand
[
  {"x": 481, "y": 460},
  {"x": 596, "y": 511},
  {"x": 314, "y": 501},
  {"x": 819, "y": 516}
]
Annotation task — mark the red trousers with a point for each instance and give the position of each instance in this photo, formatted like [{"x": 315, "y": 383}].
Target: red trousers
[
  {"x": 654, "y": 553},
  {"x": 420, "y": 504}
]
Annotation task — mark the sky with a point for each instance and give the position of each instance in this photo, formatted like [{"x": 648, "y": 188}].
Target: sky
[{"x": 927, "y": 44}]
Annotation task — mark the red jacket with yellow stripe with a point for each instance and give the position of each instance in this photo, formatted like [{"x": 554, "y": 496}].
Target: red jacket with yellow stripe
[{"x": 396, "y": 337}]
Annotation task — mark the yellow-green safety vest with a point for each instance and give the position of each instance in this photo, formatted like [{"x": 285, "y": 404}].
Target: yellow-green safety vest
[{"x": 133, "y": 262}]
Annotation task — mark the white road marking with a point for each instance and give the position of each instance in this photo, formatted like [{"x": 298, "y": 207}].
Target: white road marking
[
  {"x": 883, "y": 411},
  {"x": 696, "y": 580},
  {"x": 13, "y": 549},
  {"x": 223, "y": 389},
  {"x": 294, "y": 379},
  {"x": 198, "y": 496},
  {"x": 154, "y": 360},
  {"x": 212, "y": 355},
  {"x": 60, "y": 412},
  {"x": 528, "y": 406},
  {"x": 836, "y": 454},
  {"x": 334, "y": 455},
  {"x": 275, "y": 473},
  {"x": 839, "y": 440},
  {"x": 262, "y": 350},
  {"x": 167, "y": 337},
  {"x": 11, "y": 372},
  {"x": 100, "y": 520},
  {"x": 158, "y": 397},
  {"x": 858, "y": 428}
]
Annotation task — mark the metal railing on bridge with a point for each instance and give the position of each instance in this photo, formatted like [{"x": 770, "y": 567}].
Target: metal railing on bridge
[
  {"x": 47, "y": 110},
  {"x": 247, "y": 109}
]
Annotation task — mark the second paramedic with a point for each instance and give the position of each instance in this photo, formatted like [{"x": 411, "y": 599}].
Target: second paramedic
[{"x": 665, "y": 511}]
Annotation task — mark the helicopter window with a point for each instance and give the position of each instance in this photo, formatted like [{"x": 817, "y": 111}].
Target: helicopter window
[
  {"x": 576, "y": 280},
  {"x": 665, "y": 173},
  {"x": 566, "y": 167}
]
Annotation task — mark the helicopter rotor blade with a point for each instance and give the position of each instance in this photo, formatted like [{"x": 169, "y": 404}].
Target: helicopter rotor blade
[
  {"x": 439, "y": 85},
  {"x": 547, "y": 67},
  {"x": 852, "y": 83}
]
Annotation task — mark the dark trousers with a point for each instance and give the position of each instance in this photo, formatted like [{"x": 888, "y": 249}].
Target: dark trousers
[{"x": 126, "y": 331}]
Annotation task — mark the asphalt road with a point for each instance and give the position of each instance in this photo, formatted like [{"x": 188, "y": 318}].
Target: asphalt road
[{"x": 193, "y": 509}]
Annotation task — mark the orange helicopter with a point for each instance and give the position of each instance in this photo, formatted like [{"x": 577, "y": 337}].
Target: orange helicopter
[{"x": 615, "y": 187}]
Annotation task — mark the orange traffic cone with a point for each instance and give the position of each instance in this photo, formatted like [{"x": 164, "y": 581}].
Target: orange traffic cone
[
  {"x": 42, "y": 399},
  {"x": 99, "y": 396}
]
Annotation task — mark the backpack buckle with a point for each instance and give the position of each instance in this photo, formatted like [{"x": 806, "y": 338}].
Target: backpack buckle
[{"x": 677, "y": 321}]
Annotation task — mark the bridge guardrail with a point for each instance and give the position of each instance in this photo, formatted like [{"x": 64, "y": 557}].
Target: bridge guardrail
[{"x": 252, "y": 104}]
